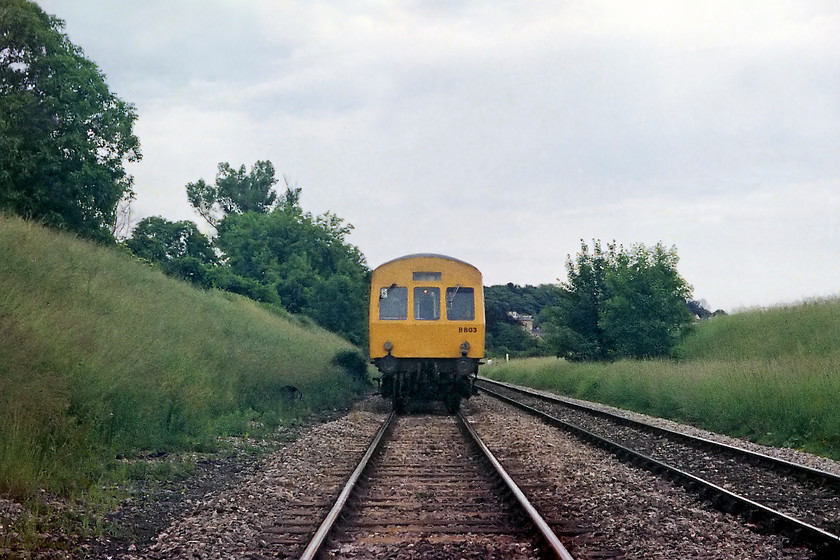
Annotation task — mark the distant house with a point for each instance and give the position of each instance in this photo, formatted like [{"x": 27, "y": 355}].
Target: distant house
[
  {"x": 698, "y": 309},
  {"x": 526, "y": 321}
]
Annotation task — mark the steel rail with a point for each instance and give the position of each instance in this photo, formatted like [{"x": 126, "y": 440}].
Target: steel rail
[
  {"x": 825, "y": 544},
  {"x": 803, "y": 472},
  {"x": 549, "y": 538},
  {"x": 320, "y": 536}
]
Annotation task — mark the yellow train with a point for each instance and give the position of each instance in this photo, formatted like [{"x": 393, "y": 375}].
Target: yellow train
[{"x": 426, "y": 328}]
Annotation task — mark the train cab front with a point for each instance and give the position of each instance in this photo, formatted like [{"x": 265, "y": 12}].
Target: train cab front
[{"x": 426, "y": 328}]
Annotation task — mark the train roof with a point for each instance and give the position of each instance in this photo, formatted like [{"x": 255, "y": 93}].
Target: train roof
[{"x": 426, "y": 256}]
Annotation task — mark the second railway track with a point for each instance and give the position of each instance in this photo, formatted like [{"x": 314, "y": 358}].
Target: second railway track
[{"x": 807, "y": 500}]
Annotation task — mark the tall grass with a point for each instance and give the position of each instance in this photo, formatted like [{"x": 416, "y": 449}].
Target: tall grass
[
  {"x": 807, "y": 330},
  {"x": 771, "y": 376},
  {"x": 102, "y": 356}
]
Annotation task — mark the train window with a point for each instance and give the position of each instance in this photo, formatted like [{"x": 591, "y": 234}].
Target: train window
[
  {"x": 460, "y": 304},
  {"x": 427, "y": 304},
  {"x": 393, "y": 303},
  {"x": 426, "y": 276}
]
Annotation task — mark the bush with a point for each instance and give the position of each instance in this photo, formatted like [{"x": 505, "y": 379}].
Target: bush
[{"x": 353, "y": 363}]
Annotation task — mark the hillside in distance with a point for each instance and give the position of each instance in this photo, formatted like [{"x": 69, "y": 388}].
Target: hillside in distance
[{"x": 803, "y": 331}]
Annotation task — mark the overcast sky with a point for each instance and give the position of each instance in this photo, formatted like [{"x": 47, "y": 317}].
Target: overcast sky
[{"x": 503, "y": 132}]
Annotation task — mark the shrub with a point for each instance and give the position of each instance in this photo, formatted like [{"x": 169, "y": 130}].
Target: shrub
[{"x": 353, "y": 363}]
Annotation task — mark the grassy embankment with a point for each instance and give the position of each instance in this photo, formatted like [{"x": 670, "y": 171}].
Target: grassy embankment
[
  {"x": 103, "y": 357},
  {"x": 772, "y": 376}
]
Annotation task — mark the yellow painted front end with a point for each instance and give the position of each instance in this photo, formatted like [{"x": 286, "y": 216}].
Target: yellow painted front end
[{"x": 442, "y": 336}]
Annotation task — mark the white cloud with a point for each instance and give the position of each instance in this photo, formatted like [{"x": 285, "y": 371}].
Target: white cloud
[{"x": 504, "y": 132}]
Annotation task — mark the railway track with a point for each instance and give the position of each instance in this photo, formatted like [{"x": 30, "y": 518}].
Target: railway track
[
  {"x": 799, "y": 502},
  {"x": 428, "y": 487}
]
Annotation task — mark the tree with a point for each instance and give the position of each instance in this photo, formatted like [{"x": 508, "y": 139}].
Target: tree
[
  {"x": 181, "y": 250},
  {"x": 304, "y": 258},
  {"x": 505, "y": 334},
  {"x": 574, "y": 324},
  {"x": 619, "y": 303},
  {"x": 275, "y": 252},
  {"x": 235, "y": 192},
  {"x": 646, "y": 313},
  {"x": 337, "y": 303},
  {"x": 64, "y": 137},
  {"x": 178, "y": 247}
]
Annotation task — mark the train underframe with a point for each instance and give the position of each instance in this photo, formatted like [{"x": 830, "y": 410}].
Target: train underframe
[{"x": 427, "y": 379}]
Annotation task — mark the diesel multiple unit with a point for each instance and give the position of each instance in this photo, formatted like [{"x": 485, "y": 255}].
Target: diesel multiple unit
[{"x": 426, "y": 328}]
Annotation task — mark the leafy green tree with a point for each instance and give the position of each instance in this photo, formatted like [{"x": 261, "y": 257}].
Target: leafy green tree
[
  {"x": 305, "y": 258},
  {"x": 275, "y": 252},
  {"x": 236, "y": 191},
  {"x": 177, "y": 247},
  {"x": 574, "y": 324},
  {"x": 646, "y": 313},
  {"x": 337, "y": 303},
  {"x": 223, "y": 278},
  {"x": 64, "y": 137},
  {"x": 159, "y": 240},
  {"x": 619, "y": 303},
  {"x": 181, "y": 250}
]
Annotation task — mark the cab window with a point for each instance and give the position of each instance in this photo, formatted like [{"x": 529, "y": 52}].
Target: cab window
[
  {"x": 460, "y": 304},
  {"x": 393, "y": 303},
  {"x": 427, "y": 304},
  {"x": 426, "y": 276}
]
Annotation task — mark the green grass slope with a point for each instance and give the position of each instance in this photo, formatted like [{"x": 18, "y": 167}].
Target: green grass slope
[
  {"x": 102, "y": 356},
  {"x": 805, "y": 331},
  {"x": 772, "y": 376}
]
